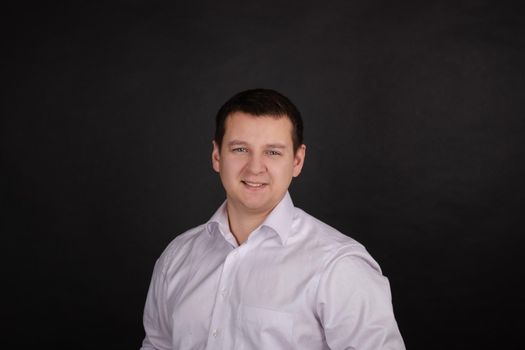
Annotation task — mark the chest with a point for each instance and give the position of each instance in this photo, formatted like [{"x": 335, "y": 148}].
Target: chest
[{"x": 234, "y": 298}]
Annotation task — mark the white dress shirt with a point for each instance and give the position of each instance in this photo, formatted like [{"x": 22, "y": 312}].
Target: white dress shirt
[{"x": 296, "y": 283}]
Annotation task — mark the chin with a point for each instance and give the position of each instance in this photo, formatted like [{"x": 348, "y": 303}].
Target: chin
[{"x": 256, "y": 207}]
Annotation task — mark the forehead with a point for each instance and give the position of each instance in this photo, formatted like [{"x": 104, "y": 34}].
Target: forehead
[{"x": 267, "y": 128}]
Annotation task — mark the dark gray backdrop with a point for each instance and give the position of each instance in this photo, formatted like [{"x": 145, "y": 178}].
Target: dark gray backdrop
[{"x": 413, "y": 119}]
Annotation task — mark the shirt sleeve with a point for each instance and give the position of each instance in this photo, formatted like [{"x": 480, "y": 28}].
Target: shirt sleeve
[
  {"x": 156, "y": 321},
  {"x": 354, "y": 305}
]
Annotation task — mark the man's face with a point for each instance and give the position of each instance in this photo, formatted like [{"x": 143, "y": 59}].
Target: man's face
[{"x": 256, "y": 162}]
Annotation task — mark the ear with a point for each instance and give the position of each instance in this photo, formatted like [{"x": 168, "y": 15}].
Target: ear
[
  {"x": 299, "y": 160},
  {"x": 215, "y": 157}
]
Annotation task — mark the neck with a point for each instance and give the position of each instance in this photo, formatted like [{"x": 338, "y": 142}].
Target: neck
[{"x": 242, "y": 224}]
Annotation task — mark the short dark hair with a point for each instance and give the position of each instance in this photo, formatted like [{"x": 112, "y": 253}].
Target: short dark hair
[{"x": 260, "y": 102}]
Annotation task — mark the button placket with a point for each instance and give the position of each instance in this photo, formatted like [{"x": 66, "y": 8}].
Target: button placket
[{"x": 220, "y": 314}]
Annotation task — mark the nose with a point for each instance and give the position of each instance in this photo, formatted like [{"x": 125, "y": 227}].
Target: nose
[{"x": 256, "y": 164}]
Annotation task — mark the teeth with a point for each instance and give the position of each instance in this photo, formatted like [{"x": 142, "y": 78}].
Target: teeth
[{"x": 253, "y": 184}]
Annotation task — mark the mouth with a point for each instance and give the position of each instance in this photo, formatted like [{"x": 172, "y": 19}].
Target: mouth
[{"x": 254, "y": 185}]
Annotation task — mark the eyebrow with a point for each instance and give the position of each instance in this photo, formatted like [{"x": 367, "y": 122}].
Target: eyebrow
[
  {"x": 276, "y": 145},
  {"x": 236, "y": 143},
  {"x": 244, "y": 143}
]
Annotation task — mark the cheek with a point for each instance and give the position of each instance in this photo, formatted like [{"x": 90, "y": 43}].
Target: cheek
[
  {"x": 282, "y": 173},
  {"x": 231, "y": 168}
]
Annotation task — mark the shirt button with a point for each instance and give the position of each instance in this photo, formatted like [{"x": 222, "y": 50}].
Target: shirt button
[
  {"x": 215, "y": 333},
  {"x": 235, "y": 253},
  {"x": 223, "y": 292}
]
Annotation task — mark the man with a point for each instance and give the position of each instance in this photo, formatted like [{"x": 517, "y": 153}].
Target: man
[{"x": 262, "y": 274}]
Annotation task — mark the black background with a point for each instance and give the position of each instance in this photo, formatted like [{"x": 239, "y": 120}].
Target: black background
[{"x": 414, "y": 122}]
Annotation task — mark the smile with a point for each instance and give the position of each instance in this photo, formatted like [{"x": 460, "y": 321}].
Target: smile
[{"x": 253, "y": 184}]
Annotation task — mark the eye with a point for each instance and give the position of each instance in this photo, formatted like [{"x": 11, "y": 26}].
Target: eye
[
  {"x": 240, "y": 150},
  {"x": 273, "y": 153}
]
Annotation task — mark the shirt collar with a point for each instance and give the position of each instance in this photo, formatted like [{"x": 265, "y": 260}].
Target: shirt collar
[
  {"x": 220, "y": 219},
  {"x": 279, "y": 220},
  {"x": 281, "y": 217}
]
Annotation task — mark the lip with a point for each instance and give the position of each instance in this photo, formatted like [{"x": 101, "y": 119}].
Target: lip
[{"x": 254, "y": 185}]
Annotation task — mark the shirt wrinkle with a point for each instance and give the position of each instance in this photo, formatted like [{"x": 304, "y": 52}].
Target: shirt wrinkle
[
  {"x": 270, "y": 293},
  {"x": 332, "y": 259}
]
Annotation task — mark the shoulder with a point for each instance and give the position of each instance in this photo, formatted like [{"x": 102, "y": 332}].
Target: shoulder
[
  {"x": 316, "y": 232},
  {"x": 185, "y": 238},
  {"x": 332, "y": 246},
  {"x": 182, "y": 245}
]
